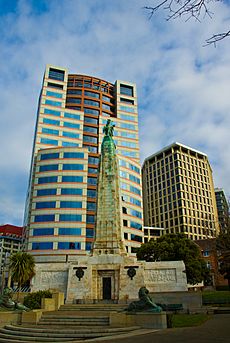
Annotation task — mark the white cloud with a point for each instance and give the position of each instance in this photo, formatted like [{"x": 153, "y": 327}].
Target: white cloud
[{"x": 183, "y": 88}]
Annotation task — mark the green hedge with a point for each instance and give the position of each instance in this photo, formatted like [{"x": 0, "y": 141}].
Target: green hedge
[{"x": 33, "y": 300}]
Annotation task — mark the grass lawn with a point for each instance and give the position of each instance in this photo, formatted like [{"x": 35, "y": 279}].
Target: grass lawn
[{"x": 183, "y": 320}]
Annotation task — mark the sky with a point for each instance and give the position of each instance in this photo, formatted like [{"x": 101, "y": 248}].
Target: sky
[{"x": 183, "y": 87}]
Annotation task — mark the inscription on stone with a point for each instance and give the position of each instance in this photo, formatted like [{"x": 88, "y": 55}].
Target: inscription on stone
[{"x": 160, "y": 275}]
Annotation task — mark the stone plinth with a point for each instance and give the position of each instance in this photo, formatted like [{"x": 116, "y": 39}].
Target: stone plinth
[{"x": 142, "y": 319}]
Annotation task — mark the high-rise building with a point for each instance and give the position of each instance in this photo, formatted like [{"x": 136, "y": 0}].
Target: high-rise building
[
  {"x": 222, "y": 209},
  {"x": 10, "y": 243},
  {"x": 61, "y": 200},
  {"x": 178, "y": 192}
]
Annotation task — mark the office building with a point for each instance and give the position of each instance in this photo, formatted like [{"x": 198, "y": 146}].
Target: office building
[
  {"x": 222, "y": 209},
  {"x": 178, "y": 192},
  {"x": 61, "y": 200}
]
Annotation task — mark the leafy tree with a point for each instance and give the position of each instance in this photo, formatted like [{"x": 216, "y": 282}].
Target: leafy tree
[
  {"x": 176, "y": 247},
  {"x": 22, "y": 268},
  {"x": 223, "y": 251},
  {"x": 197, "y": 9}
]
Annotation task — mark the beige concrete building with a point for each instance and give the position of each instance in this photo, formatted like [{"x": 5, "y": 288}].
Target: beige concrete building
[{"x": 178, "y": 192}]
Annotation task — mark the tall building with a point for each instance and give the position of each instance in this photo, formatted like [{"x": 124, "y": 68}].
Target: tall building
[
  {"x": 178, "y": 192},
  {"x": 10, "y": 242},
  {"x": 222, "y": 209},
  {"x": 61, "y": 200}
]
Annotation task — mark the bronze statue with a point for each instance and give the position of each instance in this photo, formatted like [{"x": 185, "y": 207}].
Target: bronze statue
[
  {"x": 6, "y": 301},
  {"x": 108, "y": 128},
  {"x": 144, "y": 303}
]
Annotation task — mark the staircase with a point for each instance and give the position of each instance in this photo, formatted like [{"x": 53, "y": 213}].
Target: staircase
[{"x": 71, "y": 323}]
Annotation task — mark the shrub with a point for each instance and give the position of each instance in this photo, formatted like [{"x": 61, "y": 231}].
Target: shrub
[{"x": 33, "y": 300}]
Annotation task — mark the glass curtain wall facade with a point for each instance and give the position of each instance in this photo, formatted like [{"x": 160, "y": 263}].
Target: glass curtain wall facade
[
  {"x": 61, "y": 200},
  {"x": 178, "y": 192}
]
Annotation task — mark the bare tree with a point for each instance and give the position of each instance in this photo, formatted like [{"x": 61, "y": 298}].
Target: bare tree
[{"x": 188, "y": 9}]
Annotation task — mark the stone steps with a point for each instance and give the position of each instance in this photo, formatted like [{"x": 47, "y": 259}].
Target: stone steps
[
  {"x": 92, "y": 307},
  {"x": 13, "y": 333}
]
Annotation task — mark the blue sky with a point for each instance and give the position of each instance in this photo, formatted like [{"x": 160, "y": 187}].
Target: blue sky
[{"x": 183, "y": 87}]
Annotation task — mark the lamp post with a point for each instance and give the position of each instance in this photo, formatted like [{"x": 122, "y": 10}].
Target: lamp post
[{"x": 3, "y": 269}]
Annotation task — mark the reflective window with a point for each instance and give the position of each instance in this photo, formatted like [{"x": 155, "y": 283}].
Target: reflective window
[
  {"x": 91, "y": 102},
  {"x": 135, "y": 225},
  {"x": 69, "y": 144},
  {"x": 106, "y": 98},
  {"x": 92, "y": 171},
  {"x": 90, "y": 219},
  {"x": 134, "y": 179},
  {"x": 127, "y": 117},
  {"x": 72, "y": 115},
  {"x": 135, "y": 213},
  {"x": 88, "y": 246},
  {"x": 55, "y": 85},
  {"x": 46, "y": 204},
  {"x": 136, "y": 238},
  {"x": 71, "y": 125},
  {"x": 128, "y": 153},
  {"x": 71, "y": 204},
  {"x": 69, "y": 245},
  {"x": 127, "y": 126},
  {"x": 73, "y": 155},
  {"x": 124, "y": 134},
  {"x": 90, "y": 120},
  {"x": 42, "y": 246},
  {"x": 106, "y": 107},
  {"x": 53, "y": 112},
  {"x": 71, "y": 191},
  {"x": 49, "y": 141},
  {"x": 54, "y": 94},
  {"x": 53, "y": 103},
  {"x": 90, "y": 139},
  {"x": 90, "y": 148},
  {"x": 50, "y": 156},
  {"x": 72, "y": 166},
  {"x": 126, "y": 90},
  {"x": 47, "y": 179},
  {"x": 70, "y": 218},
  {"x": 91, "y": 193},
  {"x": 135, "y": 190},
  {"x": 70, "y": 134},
  {"x": 48, "y": 191},
  {"x": 135, "y": 201},
  {"x": 43, "y": 232},
  {"x": 127, "y": 101},
  {"x": 92, "y": 180},
  {"x": 69, "y": 231},
  {"x": 48, "y": 167},
  {"x": 56, "y": 74},
  {"x": 90, "y": 129},
  {"x": 74, "y": 91},
  {"x": 128, "y": 109},
  {"x": 72, "y": 178},
  {"x": 91, "y": 111},
  {"x": 132, "y": 167},
  {"x": 93, "y": 160},
  {"x": 44, "y": 218},
  {"x": 74, "y": 100},
  {"x": 127, "y": 144},
  {"x": 51, "y": 121},
  {"x": 89, "y": 233},
  {"x": 91, "y": 206},
  {"x": 92, "y": 94}
]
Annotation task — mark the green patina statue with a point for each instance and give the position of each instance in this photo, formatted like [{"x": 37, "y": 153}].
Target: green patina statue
[
  {"x": 108, "y": 128},
  {"x": 144, "y": 303},
  {"x": 7, "y": 302}
]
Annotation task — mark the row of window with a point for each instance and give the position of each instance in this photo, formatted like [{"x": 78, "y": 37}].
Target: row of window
[
  {"x": 61, "y": 245},
  {"x": 63, "y": 204},
  {"x": 130, "y": 188},
  {"x": 131, "y": 177},
  {"x": 64, "y": 191},
  {"x": 55, "y": 155},
  {"x": 129, "y": 166},
  {"x": 49, "y": 141},
  {"x": 62, "y": 218},
  {"x": 64, "y": 178},
  {"x": 57, "y": 123},
  {"x": 64, "y": 133},
  {"x": 61, "y": 231},
  {"x": 66, "y": 114},
  {"x": 69, "y": 166}
]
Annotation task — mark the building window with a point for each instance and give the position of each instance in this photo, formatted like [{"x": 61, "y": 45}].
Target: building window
[
  {"x": 91, "y": 193},
  {"x": 73, "y": 166},
  {"x": 47, "y": 191},
  {"x": 51, "y": 121},
  {"x": 135, "y": 190},
  {"x": 91, "y": 206},
  {"x": 90, "y": 129},
  {"x": 56, "y": 74},
  {"x": 48, "y": 167},
  {"x": 125, "y": 222},
  {"x": 91, "y": 120},
  {"x": 127, "y": 101},
  {"x": 72, "y": 178},
  {"x": 47, "y": 179},
  {"x": 54, "y": 94},
  {"x": 69, "y": 144},
  {"x": 74, "y": 91},
  {"x": 93, "y": 160},
  {"x": 90, "y": 233},
  {"x": 42, "y": 246},
  {"x": 135, "y": 213},
  {"x": 55, "y": 85},
  {"x": 88, "y": 246},
  {"x": 70, "y": 134},
  {"x": 43, "y": 232},
  {"x": 53, "y": 103},
  {"x": 73, "y": 155},
  {"x": 206, "y": 253},
  {"x": 91, "y": 94},
  {"x": 126, "y": 90},
  {"x": 90, "y": 219},
  {"x": 72, "y": 116},
  {"x": 49, "y": 141},
  {"x": 46, "y": 204},
  {"x": 74, "y": 100},
  {"x": 70, "y": 204},
  {"x": 69, "y": 231},
  {"x": 136, "y": 238},
  {"x": 90, "y": 139},
  {"x": 91, "y": 111},
  {"x": 71, "y": 125},
  {"x": 71, "y": 191},
  {"x": 52, "y": 112},
  {"x": 70, "y": 218},
  {"x": 69, "y": 245},
  {"x": 44, "y": 218},
  {"x": 135, "y": 225},
  {"x": 92, "y": 181},
  {"x": 91, "y": 103}
]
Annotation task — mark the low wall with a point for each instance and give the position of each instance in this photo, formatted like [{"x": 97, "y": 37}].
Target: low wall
[
  {"x": 9, "y": 317},
  {"x": 189, "y": 300},
  {"x": 142, "y": 319}
]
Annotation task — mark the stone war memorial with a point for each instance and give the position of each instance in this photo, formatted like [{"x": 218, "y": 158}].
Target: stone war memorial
[{"x": 109, "y": 273}]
